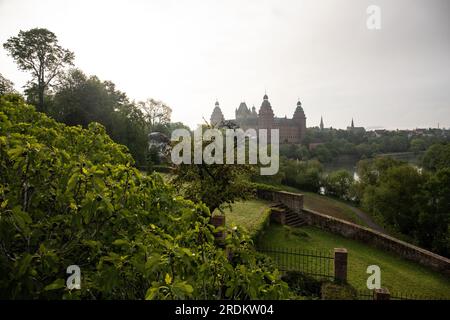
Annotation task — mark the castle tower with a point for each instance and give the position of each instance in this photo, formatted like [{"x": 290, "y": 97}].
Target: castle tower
[
  {"x": 265, "y": 119},
  {"x": 242, "y": 112},
  {"x": 300, "y": 120},
  {"x": 217, "y": 116}
]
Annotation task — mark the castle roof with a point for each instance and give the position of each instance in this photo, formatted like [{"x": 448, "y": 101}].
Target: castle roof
[
  {"x": 299, "y": 113},
  {"x": 243, "y": 108},
  {"x": 217, "y": 115},
  {"x": 265, "y": 105}
]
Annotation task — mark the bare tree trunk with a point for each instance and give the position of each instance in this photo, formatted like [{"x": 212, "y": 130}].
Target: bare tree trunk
[{"x": 41, "y": 99}]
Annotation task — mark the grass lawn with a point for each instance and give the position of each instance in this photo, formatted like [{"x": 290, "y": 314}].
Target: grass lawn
[
  {"x": 247, "y": 214},
  {"x": 397, "y": 274},
  {"x": 331, "y": 207}
]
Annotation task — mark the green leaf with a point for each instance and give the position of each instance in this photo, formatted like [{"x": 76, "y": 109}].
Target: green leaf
[
  {"x": 120, "y": 242},
  {"x": 21, "y": 218},
  {"x": 168, "y": 279},
  {"x": 151, "y": 293},
  {"x": 73, "y": 181},
  {"x": 57, "y": 284},
  {"x": 24, "y": 263}
]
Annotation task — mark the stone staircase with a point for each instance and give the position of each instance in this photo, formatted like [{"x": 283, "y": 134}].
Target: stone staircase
[{"x": 292, "y": 218}]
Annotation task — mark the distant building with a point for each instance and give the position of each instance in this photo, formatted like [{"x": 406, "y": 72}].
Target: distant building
[
  {"x": 354, "y": 129},
  {"x": 217, "y": 116},
  {"x": 292, "y": 130},
  {"x": 321, "y": 123}
]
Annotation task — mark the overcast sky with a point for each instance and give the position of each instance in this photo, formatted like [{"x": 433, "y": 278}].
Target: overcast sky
[{"x": 190, "y": 53}]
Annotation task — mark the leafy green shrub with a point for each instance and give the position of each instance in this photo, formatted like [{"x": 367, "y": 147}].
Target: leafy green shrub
[
  {"x": 338, "y": 183},
  {"x": 333, "y": 291},
  {"x": 302, "y": 284},
  {"x": 71, "y": 196}
]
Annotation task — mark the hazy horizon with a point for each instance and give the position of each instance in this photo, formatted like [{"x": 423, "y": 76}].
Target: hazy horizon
[{"x": 188, "y": 54}]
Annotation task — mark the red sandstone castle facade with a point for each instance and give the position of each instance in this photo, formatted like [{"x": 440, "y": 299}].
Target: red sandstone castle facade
[{"x": 292, "y": 130}]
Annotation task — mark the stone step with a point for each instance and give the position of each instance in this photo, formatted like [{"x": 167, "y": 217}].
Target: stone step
[
  {"x": 294, "y": 221},
  {"x": 297, "y": 224},
  {"x": 292, "y": 218}
]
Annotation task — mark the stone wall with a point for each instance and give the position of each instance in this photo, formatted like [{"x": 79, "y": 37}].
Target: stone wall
[
  {"x": 353, "y": 231},
  {"x": 294, "y": 201}
]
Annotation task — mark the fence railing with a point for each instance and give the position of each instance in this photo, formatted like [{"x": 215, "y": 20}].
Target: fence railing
[
  {"x": 314, "y": 263},
  {"x": 321, "y": 266},
  {"x": 371, "y": 295}
]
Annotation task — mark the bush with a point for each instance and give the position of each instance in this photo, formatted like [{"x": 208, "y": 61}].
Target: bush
[
  {"x": 338, "y": 183},
  {"x": 333, "y": 291},
  {"x": 302, "y": 284},
  {"x": 70, "y": 196}
]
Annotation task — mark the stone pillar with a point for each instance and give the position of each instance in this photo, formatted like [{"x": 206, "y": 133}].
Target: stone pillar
[
  {"x": 382, "y": 294},
  {"x": 340, "y": 264},
  {"x": 219, "y": 221}
]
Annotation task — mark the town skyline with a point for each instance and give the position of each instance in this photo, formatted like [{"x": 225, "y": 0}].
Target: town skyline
[{"x": 190, "y": 54}]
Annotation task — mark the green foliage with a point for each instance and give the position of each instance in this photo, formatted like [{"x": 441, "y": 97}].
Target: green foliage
[
  {"x": 397, "y": 198},
  {"x": 215, "y": 185},
  {"x": 338, "y": 183},
  {"x": 70, "y": 196},
  {"x": 6, "y": 86},
  {"x": 413, "y": 202},
  {"x": 334, "y": 291},
  {"x": 80, "y": 100},
  {"x": 304, "y": 175},
  {"x": 417, "y": 145},
  {"x": 302, "y": 284},
  {"x": 437, "y": 157},
  {"x": 37, "y": 50},
  {"x": 360, "y": 144}
]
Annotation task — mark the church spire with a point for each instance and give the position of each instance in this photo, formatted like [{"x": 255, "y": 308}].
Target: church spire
[
  {"x": 353, "y": 125},
  {"x": 321, "y": 123}
]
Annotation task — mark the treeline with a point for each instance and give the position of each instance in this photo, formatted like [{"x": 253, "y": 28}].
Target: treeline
[
  {"x": 70, "y": 96},
  {"x": 333, "y": 143},
  {"x": 409, "y": 200}
]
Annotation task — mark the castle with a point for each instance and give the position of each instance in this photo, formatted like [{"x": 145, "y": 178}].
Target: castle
[{"x": 292, "y": 130}]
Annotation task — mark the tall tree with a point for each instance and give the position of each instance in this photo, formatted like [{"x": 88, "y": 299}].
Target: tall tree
[
  {"x": 216, "y": 185},
  {"x": 156, "y": 112},
  {"x": 37, "y": 50},
  {"x": 6, "y": 86}
]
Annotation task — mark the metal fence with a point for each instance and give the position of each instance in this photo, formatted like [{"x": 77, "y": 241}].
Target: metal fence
[
  {"x": 320, "y": 265},
  {"x": 411, "y": 296},
  {"x": 370, "y": 295},
  {"x": 314, "y": 263}
]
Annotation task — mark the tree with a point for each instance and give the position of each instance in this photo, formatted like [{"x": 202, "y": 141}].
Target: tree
[
  {"x": 338, "y": 183},
  {"x": 437, "y": 157},
  {"x": 70, "y": 196},
  {"x": 156, "y": 112},
  {"x": 6, "y": 86},
  {"x": 37, "y": 50},
  {"x": 80, "y": 100},
  {"x": 216, "y": 185},
  {"x": 417, "y": 145},
  {"x": 398, "y": 198},
  {"x": 305, "y": 175},
  {"x": 434, "y": 220}
]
